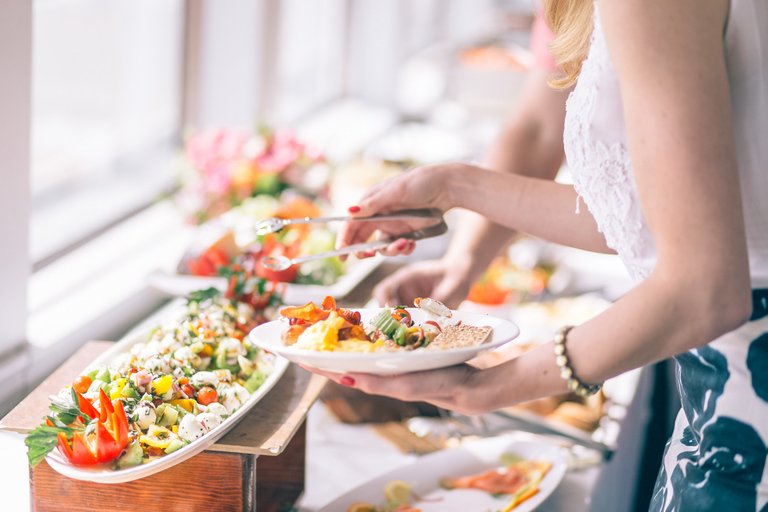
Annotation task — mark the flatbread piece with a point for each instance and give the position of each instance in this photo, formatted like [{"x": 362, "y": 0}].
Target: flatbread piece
[{"x": 460, "y": 336}]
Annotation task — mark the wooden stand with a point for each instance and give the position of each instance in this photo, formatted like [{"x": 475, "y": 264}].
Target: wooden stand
[{"x": 258, "y": 466}]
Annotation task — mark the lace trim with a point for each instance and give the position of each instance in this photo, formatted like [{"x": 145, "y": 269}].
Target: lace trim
[{"x": 602, "y": 173}]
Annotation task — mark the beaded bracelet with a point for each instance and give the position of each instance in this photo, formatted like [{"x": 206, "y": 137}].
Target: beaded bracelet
[{"x": 566, "y": 372}]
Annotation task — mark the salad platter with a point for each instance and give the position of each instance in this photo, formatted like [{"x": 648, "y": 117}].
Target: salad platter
[
  {"x": 234, "y": 244},
  {"x": 355, "y": 271},
  {"x": 270, "y": 337},
  {"x": 156, "y": 399}
]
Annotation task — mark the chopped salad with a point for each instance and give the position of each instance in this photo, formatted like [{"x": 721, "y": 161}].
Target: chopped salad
[
  {"x": 190, "y": 375},
  {"x": 328, "y": 328}
]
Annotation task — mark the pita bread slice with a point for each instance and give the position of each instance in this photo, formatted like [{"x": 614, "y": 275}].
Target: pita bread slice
[{"x": 460, "y": 336}]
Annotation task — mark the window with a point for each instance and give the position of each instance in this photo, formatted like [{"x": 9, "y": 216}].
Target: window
[
  {"x": 309, "y": 57},
  {"x": 107, "y": 98},
  {"x": 15, "y": 67}
]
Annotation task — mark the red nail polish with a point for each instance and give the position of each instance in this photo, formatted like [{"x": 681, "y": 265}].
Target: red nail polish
[
  {"x": 347, "y": 381},
  {"x": 354, "y": 209},
  {"x": 402, "y": 244}
]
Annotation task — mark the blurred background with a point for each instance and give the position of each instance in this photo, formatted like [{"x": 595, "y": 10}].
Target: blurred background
[
  {"x": 118, "y": 89},
  {"x": 155, "y": 124}
]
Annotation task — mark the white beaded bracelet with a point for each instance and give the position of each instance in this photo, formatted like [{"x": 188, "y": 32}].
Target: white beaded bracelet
[{"x": 566, "y": 372}]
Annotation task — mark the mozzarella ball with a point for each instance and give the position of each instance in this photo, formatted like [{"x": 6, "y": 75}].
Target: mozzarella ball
[
  {"x": 190, "y": 429},
  {"x": 146, "y": 415},
  {"x": 208, "y": 420}
]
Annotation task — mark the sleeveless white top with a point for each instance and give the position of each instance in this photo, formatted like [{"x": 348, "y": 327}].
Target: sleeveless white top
[{"x": 597, "y": 151}]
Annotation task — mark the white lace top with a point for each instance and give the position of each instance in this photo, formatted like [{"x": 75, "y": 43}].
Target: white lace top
[{"x": 597, "y": 150}]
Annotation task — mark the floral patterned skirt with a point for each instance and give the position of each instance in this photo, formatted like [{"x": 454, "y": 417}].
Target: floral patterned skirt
[{"x": 716, "y": 457}]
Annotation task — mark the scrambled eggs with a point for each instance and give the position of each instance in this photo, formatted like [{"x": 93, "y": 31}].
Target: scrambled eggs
[{"x": 324, "y": 336}]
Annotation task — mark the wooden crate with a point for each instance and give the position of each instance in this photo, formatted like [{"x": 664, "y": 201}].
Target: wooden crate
[{"x": 259, "y": 465}]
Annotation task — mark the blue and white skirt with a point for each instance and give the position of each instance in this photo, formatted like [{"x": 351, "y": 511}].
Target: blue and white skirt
[{"x": 715, "y": 460}]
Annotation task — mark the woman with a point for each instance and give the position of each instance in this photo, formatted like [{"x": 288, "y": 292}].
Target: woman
[{"x": 663, "y": 137}]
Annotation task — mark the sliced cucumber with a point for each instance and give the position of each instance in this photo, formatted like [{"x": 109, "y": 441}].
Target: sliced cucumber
[
  {"x": 390, "y": 327},
  {"x": 254, "y": 382},
  {"x": 175, "y": 445}
]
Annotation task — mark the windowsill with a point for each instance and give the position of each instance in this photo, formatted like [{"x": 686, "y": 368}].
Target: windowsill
[
  {"x": 102, "y": 273},
  {"x": 62, "y": 218}
]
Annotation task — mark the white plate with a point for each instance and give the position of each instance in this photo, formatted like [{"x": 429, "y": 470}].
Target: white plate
[
  {"x": 469, "y": 459},
  {"x": 180, "y": 285},
  {"x": 102, "y": 474},
  {"x": 267, "y": 336}
]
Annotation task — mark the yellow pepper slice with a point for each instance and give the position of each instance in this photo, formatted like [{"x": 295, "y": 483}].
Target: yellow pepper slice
[
  {"x": 162, "y": 384},
  {"x": 116, "y": 388},
  {"x": 187, "y": 404},
  {"x": 158, "y": 437}
]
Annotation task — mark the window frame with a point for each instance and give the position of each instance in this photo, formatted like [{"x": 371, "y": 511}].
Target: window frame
[{"x": 15, "y": 193}]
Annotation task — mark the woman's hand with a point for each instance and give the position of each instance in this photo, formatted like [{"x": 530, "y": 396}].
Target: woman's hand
[
  {"x": 456, "y": 388},
  {"x": 438, "y": 279},
  {"x": 421, "y": 187}
]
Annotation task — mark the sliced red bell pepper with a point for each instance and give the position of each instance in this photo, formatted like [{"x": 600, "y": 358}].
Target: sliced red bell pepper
[
  {"x": 86, "y": 407},
  {"x": 106, "y": 444},
  {"x": 216, "y": 256}
]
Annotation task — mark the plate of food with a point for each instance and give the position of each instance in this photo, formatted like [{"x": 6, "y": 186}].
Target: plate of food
[
  {"x": 156, "y": 399},
  {"x": 381, "y": 340},
  {"x": 498, "y": 473},
  {"x": 231, "y": 244}
]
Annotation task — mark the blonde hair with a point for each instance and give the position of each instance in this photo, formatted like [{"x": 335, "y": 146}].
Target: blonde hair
[{"x": 571, "y": 22}]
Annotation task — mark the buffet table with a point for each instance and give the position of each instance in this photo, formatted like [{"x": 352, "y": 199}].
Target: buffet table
[
  {"x": 340, "y": 457},
  {"x": 258, "y": 465},
  {"x": 261, "y": 464}
]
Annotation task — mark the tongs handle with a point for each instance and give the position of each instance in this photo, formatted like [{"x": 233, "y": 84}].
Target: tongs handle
[{"x": 273, "y": 225}]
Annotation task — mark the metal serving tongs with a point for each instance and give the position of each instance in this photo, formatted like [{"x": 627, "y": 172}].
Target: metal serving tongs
[{"x": 273, "y": 225}]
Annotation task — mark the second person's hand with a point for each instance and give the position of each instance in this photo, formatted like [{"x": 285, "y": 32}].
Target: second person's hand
[{"x": 437, "y": 279}]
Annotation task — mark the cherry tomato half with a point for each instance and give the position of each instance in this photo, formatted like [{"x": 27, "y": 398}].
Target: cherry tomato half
[
  {"x": 82, "y": 383},
  {"x": 402, "y": 316},
  {"x": 207, "y": 395},
  {"x": 188, "y": 390}
]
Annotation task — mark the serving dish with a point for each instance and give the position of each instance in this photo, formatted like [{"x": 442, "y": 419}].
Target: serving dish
[
  {"x": 471, "y": 458},
  {"x": 268, "y": 337},
  {"x": 103, "y": 473},
  {"x": 180, "y": 285}
]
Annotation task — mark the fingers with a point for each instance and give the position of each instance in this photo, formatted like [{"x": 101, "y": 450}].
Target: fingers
[
  {"x": 415, "y": 280},
  {"x": 400, "y": 247},
  {"x": 354, "y": 232},
  {"x": 394, "y": 386},
  {"x": 444, "y": 387}
]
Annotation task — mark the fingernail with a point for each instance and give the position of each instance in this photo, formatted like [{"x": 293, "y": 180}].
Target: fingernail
[
  {"x": 347, "y": 381},
  {"x": 401, "y": 244},
  {"x": 354, "y": 209}
]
